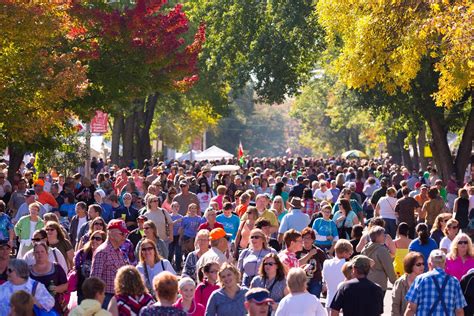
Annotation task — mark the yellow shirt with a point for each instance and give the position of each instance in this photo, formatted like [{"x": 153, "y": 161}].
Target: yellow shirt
[{"x": 268, "y": 215}]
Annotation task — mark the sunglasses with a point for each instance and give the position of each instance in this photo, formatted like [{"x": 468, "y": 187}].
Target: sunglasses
[
  {"x": 463, "y": 242},
  {"x": 50, "y": 229},
  {"x": 420, "y": 264},
  {"x": 454, "y": 227},
  {"x": 255, "y": 237},
  {"x": 147, "y": 249},
  {"x": 99, "y": 224},
  {"x": 146, "y": 228},
  {"x": 271, "y": 264},
  {"x": 97, "y": 238},
  {"x": 37, "y": 239}
]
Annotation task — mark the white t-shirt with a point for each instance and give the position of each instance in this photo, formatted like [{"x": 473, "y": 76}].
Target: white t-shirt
[
  {"x": 301, "y": 304},
  {"x": 387, "y": 207},
  {"x": 30, "y": 258},
  {"x": 80, "y": 221},
  {"x": 204, "y": 200},
  {"x": 320, "y": 195},
  {"x": 332, "y": 275},
  {"x": 445, "y": 243},
  {"x": 32, "y": 228}
]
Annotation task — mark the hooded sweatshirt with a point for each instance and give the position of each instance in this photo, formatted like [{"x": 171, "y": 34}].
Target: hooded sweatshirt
[
  {"x": 89, "y": 307},
  {"x": 383, "y": 267}
]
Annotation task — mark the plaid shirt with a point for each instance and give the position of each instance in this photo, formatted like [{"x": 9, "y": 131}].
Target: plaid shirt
[
  {"x": 105, "y": 263},
  {"x": 424, "y": 294}
]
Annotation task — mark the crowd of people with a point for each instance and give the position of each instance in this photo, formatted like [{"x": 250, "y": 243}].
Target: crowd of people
[{"x": 277, "y": 237}]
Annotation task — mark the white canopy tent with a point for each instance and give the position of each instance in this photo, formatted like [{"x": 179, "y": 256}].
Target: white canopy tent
[
  {"x": 213, "y": 153},
  {"x": 190, "y": 155}
]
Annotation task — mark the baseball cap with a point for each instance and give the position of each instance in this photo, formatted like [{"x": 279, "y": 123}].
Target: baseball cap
[
  {"x": 362, "y": 263},
  {"x": 218, "y": 233},
  {"x": 118, "y": 224},
  {"x": 259, "y": 296},
  {"x": 417, "y": 185},
  {"x": 29, "y": 192},
  {"x": 183, "y": 182},
  {"x": 39, "y": 182},
  {"x": 437, "y": 256}
]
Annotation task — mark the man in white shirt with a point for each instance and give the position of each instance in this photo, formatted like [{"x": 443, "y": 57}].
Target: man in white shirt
[
  {"x": 299, "y": 302},
  {"x": 332, "y": 274},
  {"x": 323, "y": 193},
  {"x": 219, "y": 246}
]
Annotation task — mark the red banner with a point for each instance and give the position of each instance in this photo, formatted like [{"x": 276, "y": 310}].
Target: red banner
[{"x": 99, "y": 123}]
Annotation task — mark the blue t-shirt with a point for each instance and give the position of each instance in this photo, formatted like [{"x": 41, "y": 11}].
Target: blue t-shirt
[
  {"x": 5, "y": 226},
  {"x": 176, "y": 226},
  {"x": 324, "y": 228},
  {"x": 70, "y": 209},
  {"x": 231, "y": 224},
  {"x": 416, "y": 245},
  {"x": 107, "y": 213},
  {"x": 190, "y": 225}
]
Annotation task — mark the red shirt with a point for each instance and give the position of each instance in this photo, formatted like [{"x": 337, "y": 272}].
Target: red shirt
[
  {"x": 196, "y": 309},
  {"x": 206, "y": 226},
  {"x": 204, "y": 291}
]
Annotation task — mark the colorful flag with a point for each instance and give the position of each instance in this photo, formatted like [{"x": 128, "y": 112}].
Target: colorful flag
[{"x": 241, "y": 154}]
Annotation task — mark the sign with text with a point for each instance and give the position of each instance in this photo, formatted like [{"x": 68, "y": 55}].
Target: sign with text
[{"x": 99, "y": 123}]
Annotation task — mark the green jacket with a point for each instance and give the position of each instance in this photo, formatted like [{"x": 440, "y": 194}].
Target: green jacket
[{"x": 22, "y": 228}]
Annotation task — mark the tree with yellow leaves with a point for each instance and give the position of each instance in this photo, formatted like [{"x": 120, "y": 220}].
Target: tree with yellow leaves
[
  {"x": 424, "y": 48},
  {"x": 39, "y": 80}
]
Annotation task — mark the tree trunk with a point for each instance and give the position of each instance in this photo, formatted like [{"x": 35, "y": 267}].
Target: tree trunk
[
  {"x": 463, "y": 156},
  {"x": 406, "y": 159},
  {"x": 16, "y": 154},
  {"x": 393, "y": 148},
  {"x": 440, "y": 148},
  {"x": 127, "y": 139},
  {"x": 416, "y": 157},
  {"x": 117, "y": 132},
  {"x": 421, "y": 147},
  {"x": 144, "y": 121}
]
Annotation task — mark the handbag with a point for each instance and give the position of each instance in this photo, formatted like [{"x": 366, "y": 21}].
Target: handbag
[{"x": 39, "y": 311}]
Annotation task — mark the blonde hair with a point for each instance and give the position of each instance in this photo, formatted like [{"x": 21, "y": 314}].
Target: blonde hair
[
  {"x": 296, "y": 280},
  {"x": 145, "y": 242},
  {"x": 231, "y": 268},
  {"x": 453, "y": 253},
  {"x": 128, "y": 281},
  {"x": 450, "y": 222},
  {"x": 437, "y": 222},
  {"x": 259, "y": 232}
]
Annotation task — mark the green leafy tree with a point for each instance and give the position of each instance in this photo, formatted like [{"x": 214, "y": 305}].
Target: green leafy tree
[{"x": 274, "y": 44}]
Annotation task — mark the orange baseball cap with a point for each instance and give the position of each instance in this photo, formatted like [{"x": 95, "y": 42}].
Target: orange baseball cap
[{"x": 218, "y": 233}]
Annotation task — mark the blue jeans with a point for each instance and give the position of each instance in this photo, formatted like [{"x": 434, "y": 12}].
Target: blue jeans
[
  {"x": 108, "y": 297},
  {"x": 391, "y": 227},
  {"x": 315, "y": 287},
  {"x": 175, "y": 250}
]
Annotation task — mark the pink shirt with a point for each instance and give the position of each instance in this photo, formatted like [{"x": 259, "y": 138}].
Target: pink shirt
[
  {"x": 204, "y": 291},
  {"x": 457, "y": 268},
  {"x": 289, "y": 259},
  {"x": 195, "y": 310}
]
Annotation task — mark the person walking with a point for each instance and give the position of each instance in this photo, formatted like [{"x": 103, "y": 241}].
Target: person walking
[
  {"x": 358, "y": 296},
  {"x": 108, "y": 257},
  {"x": 435, "y": 292}
]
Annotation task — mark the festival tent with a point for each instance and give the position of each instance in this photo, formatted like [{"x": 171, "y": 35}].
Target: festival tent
[
  {"x": 353, "y": 154},
  {"x": 213, "y": 153},
  {"x": 190, "y": 155}
]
